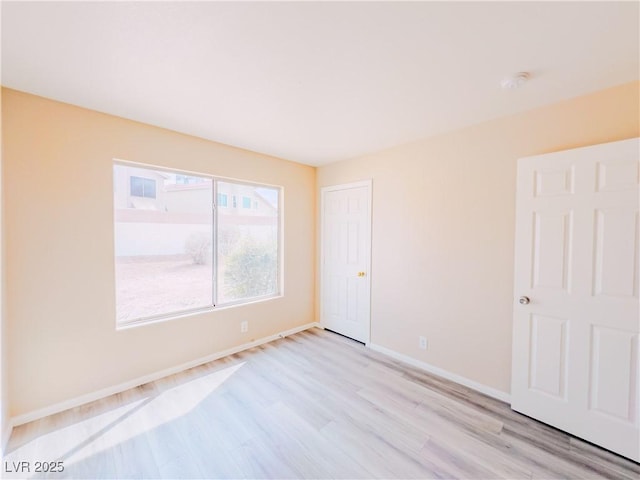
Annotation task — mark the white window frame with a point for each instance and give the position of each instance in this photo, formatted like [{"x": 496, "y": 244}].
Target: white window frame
[{"x": 120, "y": 324}]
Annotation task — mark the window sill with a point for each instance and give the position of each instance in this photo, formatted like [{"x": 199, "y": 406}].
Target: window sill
[{"x": 140, "y": 322}]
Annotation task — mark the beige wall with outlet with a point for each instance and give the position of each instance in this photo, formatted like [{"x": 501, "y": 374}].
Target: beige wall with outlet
[
  {"x": 443, "y": 228},
  {"x": 60, "y": 296}
]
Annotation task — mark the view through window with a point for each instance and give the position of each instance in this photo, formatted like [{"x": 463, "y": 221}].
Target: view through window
[
  {"x": 168, "y": 260},
  {"x": 248, "y": 244}
]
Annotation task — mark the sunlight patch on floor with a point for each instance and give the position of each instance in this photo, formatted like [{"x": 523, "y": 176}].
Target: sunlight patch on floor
[{"x": 106, "y": 430}]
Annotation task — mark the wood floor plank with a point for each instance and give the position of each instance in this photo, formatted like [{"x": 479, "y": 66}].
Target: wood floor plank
[
  {"x": 598, "y": 458},
  {"x": 374, "y": 453},
  {"x": 312, "y": 405}
]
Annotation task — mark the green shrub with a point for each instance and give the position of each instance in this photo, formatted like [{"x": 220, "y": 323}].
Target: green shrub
[
  {"x": 197, "y": 246},
  {"x": 251, "y": 270}
]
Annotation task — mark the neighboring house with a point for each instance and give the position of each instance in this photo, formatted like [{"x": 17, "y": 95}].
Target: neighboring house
[
  {"x": 152, "y": 190},
  {"x": 155, "y": 211},
  {"x": 242, "y": 199},
  {"x": 139, "y": 188}
]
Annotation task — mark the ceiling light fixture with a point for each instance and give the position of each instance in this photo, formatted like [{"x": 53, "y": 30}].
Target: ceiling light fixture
[{"x": 515, "y": 81}]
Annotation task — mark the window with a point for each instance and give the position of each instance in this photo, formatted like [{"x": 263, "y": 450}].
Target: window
[
  {"x": 188, "y": 179},
  {"x": 143, "y": 187},
  {"x": 248, "y": 249},
  {"x": 234, "y": 201},
  {"x": 168, "y": 259},
  {"x": 246, "y": 202}
]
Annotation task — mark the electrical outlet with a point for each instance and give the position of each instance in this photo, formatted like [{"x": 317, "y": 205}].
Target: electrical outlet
[
  {"x": 244, "y": 326},
  {"x": 423, "y": 343}
]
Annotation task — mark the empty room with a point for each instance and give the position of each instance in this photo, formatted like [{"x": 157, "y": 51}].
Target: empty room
[{"x": 347, "y": 240}]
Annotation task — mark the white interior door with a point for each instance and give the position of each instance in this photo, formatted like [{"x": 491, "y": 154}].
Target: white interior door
[
  {"x": 345, "y": 259},
  {"x": 575, "y": 343}
]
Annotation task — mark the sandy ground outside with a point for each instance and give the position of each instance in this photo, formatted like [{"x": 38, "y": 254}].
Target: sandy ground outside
[{"x": 148, "y": 286}]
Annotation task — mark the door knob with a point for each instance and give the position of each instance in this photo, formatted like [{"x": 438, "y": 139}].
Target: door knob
[
  {"x": 361, "y": 274},
  {"x": 524, "y": 300}
]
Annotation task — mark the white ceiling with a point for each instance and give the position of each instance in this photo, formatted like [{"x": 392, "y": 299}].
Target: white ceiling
[{"x": 315, "y": 82}]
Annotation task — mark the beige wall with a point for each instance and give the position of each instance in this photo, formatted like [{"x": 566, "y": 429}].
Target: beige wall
[
  {"x": 4, "y": 373},
  {"x": 443, "y": 228},
  {"x": 442, "y": 241},
  {"x": 58, "y": 199}
]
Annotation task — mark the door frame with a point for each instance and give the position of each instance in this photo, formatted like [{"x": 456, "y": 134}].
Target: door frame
[{"x": 368, "y": 183}]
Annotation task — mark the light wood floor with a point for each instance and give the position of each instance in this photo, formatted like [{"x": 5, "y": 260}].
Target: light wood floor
[{"x": 312, "y": 405}]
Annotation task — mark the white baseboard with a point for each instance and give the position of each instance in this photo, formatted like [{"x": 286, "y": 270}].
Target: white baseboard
[
  {"x": 105, "y": 392},
  {"x": 479, "y": 387},
  {"x": 6, "y": 433}
]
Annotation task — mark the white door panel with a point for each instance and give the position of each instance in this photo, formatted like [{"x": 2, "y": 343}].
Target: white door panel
[
  {"x": 345, "y": 252},
  {"x": 575, "y": 344}
]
